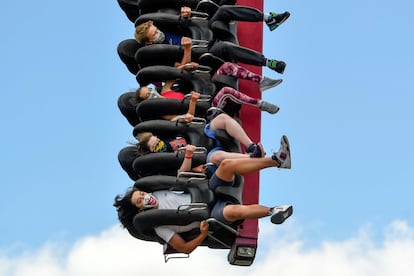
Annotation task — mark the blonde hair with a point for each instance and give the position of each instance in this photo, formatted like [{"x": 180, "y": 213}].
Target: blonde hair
[
  {"x": 143, "y": 139},
  {"x": 141, "y": 31}
]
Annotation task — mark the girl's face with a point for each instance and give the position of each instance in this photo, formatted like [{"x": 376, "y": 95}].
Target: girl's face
[
  {"x": 143, "y": 200},
  {"x": 137, "y": 199},
  {"x": 152, "y": 143},
  {"x": 155, "y": 144},
  {"x": 144, "y": 93}
]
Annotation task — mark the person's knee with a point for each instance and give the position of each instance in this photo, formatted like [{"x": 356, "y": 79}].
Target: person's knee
[
  {"x": 233, "y": 212},
  {"x": 223, "y": 117},
  {"x": 219, "y": 122},
  {"x": 217, "y": 157},
  {"x": 227, "y": 165}
]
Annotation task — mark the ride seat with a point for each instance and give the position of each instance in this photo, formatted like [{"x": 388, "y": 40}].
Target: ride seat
[
  {"x": 192, "y": 132},
  {"x": 127, "y": 108},
  {"x": 155, "y": 109},
  {"x": 168, "y": 163},
  {"x": 187, "y": 80},
  {"x": 221, "y": 236},
  {"x": 126, "y": 51}
]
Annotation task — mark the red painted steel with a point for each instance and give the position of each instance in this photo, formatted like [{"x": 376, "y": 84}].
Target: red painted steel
[{"x": 250, "y": 35}]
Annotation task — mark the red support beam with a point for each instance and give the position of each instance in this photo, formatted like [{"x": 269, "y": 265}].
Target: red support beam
[{"x": 250, "y": 35}]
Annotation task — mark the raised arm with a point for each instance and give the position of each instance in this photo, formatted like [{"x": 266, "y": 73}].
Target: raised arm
[
  {"x": 188, "y": 117},
  {"x": 186, "y": 165},
  {"x": 193, "y": 102},
  {"x": 186, "y": 44},
  {"x": 187, "y": 247}
]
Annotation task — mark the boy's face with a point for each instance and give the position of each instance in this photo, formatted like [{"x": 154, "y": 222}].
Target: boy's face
[{"x": 154, "y": 35}]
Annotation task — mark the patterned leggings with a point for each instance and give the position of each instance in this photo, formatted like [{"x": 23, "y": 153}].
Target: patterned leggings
[
  {"x": 232, "y": 69},
  {"x": 227, "y": 93}
]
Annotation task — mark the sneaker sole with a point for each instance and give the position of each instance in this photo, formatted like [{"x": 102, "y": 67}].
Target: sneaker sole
[
  {"x": 280, "y": 217},
  {"x": 278, "y": 81},
  {"x": 286, "y": 141},
  {"x": 284, "y": 19},
  {"x": 282, "y": 71}
]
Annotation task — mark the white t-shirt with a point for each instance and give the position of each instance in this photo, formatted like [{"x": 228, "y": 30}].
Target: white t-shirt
[{"x": 171, "y": 200}]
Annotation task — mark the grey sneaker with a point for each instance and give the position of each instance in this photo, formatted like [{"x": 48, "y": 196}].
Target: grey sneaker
[
  {"x": 281, "y": 213},
  {"x": 283, "y": 155},
  {"x": 268, "y": 107},
  {"x": 267, "y": 83}
]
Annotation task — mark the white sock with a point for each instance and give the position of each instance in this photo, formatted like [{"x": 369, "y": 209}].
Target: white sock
[{"x": 266, "y": 17}]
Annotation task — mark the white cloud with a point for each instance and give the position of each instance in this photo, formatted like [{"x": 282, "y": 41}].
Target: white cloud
[{"x": 114, "y": 252}]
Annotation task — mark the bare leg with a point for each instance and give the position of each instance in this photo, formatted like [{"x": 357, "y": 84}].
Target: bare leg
[
  {"x": 229, "y": 167},
  {"x": 232, "y": 127},
  {"x": 220, "y": 155},
  {"x": 237, "y": 212}
]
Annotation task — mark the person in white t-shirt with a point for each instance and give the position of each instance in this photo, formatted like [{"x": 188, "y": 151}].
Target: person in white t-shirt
[{"x": 135, "y": 200}]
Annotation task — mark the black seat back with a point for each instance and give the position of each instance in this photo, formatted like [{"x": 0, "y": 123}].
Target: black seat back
[
  {"x": 126, "y": 51},
  {"x": 127, "y": 108},
  {"x": 164, "y": 163},
  {"x": 153, "y": 109},
  {"x": 144, "y": 222},
  {"x": 126, "y": 158}
]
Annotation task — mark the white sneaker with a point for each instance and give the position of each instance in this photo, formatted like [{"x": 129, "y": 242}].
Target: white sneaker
[
  {"x": 267, "y": 83},
  {"x": 283, "y": 155},
  {"x": 281, "y": 213}
]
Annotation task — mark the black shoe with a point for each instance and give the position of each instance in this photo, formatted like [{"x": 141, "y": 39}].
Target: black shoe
[
  {"x": 281, "y": 213},
  {"x": 277, "y": 19},
  {"x": 278, "y": 66},
  {"x": 254, "y": 150}
]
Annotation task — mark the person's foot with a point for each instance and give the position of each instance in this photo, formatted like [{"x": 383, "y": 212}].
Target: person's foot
[
  {"x": 280, "y": 213},
  {"x": 283, "y": 155},
  {"x": 267, "y": 83},
  {"x": 276, "y": 65},
  {"x": 255, "y": 150},
  {"x": 268, "y": 107},
  {"x": 276, "y": 19}
]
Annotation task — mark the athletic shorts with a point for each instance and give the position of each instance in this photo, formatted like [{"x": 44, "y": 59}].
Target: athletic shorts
[
  {"x": 216, "y": 181},
  {"x": 212, "y": 134},
  {"x": 217, "y": 211}
]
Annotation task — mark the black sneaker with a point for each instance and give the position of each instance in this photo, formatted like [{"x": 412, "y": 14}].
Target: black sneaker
[
  {"x": 254, "y": 150},
  {"x": 276, "y": 65},
  {"x": 281, "y": 213},
  {"x": 277, "y": 19}
]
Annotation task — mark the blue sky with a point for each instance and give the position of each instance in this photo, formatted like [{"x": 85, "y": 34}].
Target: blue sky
[{"x": 346, "y": 106}]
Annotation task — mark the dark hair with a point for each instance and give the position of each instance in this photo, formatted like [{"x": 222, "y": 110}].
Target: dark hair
[
  {"x": 126, "y": 210},
  {"x": 135, "y": 99}
]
